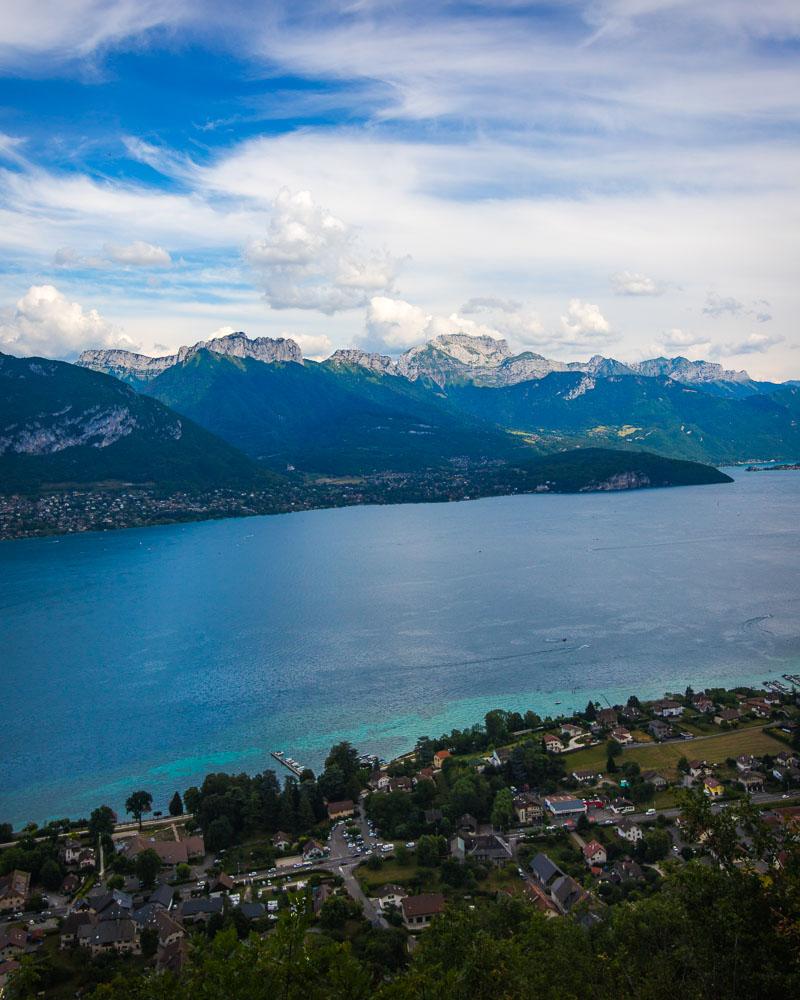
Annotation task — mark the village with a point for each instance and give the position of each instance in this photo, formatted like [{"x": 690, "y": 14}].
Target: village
[{"x": 572, "y": 816}]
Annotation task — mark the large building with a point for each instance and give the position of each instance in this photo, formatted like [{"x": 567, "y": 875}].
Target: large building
[{"x": 565, "y": 805}]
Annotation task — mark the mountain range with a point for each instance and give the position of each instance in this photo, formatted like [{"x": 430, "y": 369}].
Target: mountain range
[{"x": 458, "y": 398}]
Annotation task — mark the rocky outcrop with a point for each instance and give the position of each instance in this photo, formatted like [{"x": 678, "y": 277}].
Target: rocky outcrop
[
  {"x": 382, "y": 364},
  {"x": 128, "y": 366},
  {"x": 688, "y": 372},
  {"x": 97, "y": 427}
]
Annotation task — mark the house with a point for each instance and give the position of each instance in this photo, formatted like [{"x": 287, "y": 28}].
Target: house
[
  {"x": 699, "y": 768},
  {"x": 594, "y": 853},
  {"x": 620, "y": 806},
  {"x": 666, "y": 708},
  {"x": 713, "y": 787},
  {"x": 607, "y": 718},
  {"x": 13, "y": 942},
  {"x": 727, "y": 716},
  {"x": 544, "y": 871},
  {"x": 313, "y": 851},
  {"x": 787, "y": 759},
  {"x": 319, "y": 894},
  {"x": 571, "y": 731},
  {"x": 787, "y": 775},
  {"x": 566, "y": 893},
  {"x": 439, "y": 758},
  {"x": 389, "y": 895},
  {"x": 418, "y": 911},
  {"x": 482, "y": 847},
  {"x": 171, "y": 852},
  {"x": 565, "y": 805},
  {"x": 14, "y": 890},
  {"x": 752, "y": 781},
  {"x": 630, "y": 713},
  {"x": 552, "y": 743},
  {"x": 654, "y": 778},
  {"x": 536, "y": 895},
  {"x": 758, "y": 707},
  {"x": 71, "y": 884},
  {"x": 281, "y": 841},
  {"x": 659, "y": 730},
  {"x": 253, "y": 911},
  {"x": 587, "y": 777},
  {"x": 528, "y": 808},
  {"x": 468, "y": 823},
  {"x": 343, "y": 809},
  {"x": 621, "y": 735},
  {"x": 401, "y": 784},
  {"x": 424, "y": 774},
  {"x": 70, "y": 852},
  {"x": 223, "y": 883},
  {"x": 7, "y": 969},
  {"x": 630, "y": 831},
  {"x": 200, "y": 910},
  {"x": 120, "y": 936},
  {"x": 702, "y": 703},
  {"x": 626, "y": 871},
  {"x": 746, "y": 762},
  {"x": 499, "y": 757}
]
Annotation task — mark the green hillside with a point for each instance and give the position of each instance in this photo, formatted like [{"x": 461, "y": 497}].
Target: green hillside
[
  {"x": 327, "y": 420},
  {"x": 60, "y": 424}
]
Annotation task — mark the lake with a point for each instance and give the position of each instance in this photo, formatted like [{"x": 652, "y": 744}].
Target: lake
[{"x": 147, "y": 658}]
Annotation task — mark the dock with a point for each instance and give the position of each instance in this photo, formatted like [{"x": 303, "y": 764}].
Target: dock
[{"x": 291, "y": 765}]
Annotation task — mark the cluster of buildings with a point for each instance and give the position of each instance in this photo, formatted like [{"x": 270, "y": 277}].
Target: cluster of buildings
[{"x": 417, "y": 911}]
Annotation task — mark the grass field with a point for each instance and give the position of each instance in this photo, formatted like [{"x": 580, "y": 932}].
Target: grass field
[{"x": 665, "y": 756}]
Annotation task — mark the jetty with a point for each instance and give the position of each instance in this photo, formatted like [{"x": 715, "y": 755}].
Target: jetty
[{"x": 292, "y": 765}]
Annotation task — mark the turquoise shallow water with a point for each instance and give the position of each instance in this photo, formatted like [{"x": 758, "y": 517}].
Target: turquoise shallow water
[{"x": 147, "y": 658}]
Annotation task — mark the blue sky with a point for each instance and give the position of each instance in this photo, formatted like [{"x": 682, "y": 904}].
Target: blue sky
[{"x": 616, "y": 177}]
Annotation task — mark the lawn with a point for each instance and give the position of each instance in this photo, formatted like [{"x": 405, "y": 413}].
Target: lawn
[{"x": 714, "y": 749}]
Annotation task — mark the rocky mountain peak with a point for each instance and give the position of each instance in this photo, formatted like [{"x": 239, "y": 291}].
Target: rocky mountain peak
[{"x": 380, "y": 363}]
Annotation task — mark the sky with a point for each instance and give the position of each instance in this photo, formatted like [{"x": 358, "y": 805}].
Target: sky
[{"x": 615, "y": 177}]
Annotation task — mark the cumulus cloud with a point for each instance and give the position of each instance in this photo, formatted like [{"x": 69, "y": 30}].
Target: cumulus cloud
[
  {"x": 316, "y": 346},
  {"x": 310, "y": 259},
  {"x": 584, "y": 324},
  {"x": 393, "y": 325},
  {"x": 676, "y": 339},
  {"x": 44, "y": 322},
  {"x": 138, "y": 254},
  {"x": 632, "y": 283}
]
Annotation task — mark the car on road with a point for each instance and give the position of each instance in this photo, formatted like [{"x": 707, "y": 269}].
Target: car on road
[
  {"x": 411, "y": 845},
  {"x": 650, "y": 812}
]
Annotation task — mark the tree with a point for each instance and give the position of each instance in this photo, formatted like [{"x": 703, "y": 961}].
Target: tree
[
  {"x": 183, "y": 872},
  {"x": 101, "y": 823},
  {"x": 51, "y": 875},
  {"x": 149, "y": 941},
  {"x": 219, "y": 834},
  {"x": 611, "y": 765},
  {"x": 431, "y": 848},
  {"x": 147, "y": 866},
  {"x": 6, "y": 833},
  {"x": 496, "y": 724},
  {"x": 137, "y": 804},
  {"x": 344, "y": 756},
  {"x": 590, "y": 712},
  {"x": 503, "y": 809},
  {"x": 176, "y": 805}
]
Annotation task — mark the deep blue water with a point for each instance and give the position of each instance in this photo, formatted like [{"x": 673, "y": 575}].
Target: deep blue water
[{"x": 146, "y": 658}]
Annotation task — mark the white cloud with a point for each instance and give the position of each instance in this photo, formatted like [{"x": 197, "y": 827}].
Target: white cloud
[
  {"x": 631, "y": 283},
  {"x": 676, "y": 339},
  {"x": 138, "y": 254},
  {"x": 315, "y": 346},
  {"x": 719, "y": 305},
  {"x": 584, "y": 324},
  {"x": 310, "y": 259},
  {"x": 754, "y": 343},
  {"x": 44, "y": 322},
  {"x": 487, "y": 304}
]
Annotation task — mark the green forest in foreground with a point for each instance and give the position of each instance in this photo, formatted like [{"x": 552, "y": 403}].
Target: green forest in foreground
[{"x": 710, "y": 932}]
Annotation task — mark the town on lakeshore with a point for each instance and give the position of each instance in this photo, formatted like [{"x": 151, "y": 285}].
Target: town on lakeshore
[{"x": 570, "y": 820}]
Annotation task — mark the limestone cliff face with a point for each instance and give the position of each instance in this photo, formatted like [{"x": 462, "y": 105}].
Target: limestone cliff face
[{"x": 128, "y": 366}]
